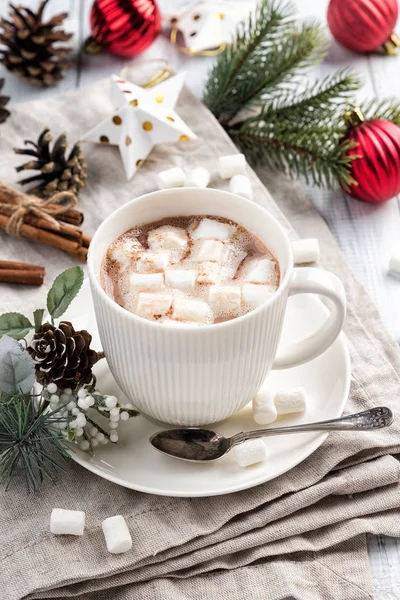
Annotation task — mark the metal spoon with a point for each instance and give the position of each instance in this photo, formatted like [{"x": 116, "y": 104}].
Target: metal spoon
[{"x": 203, "y": 445}]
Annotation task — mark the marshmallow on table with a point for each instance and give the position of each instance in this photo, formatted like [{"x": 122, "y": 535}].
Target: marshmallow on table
[
  {"x": 290, "y": 402},
  {"x": 258, "y": 269},
  {"x": 255, "y": 294},
  {"x": 152, "y": 261},
  {"x": 225, "y": 300},
  {"x": 208, "y": 272},
  {"x": 142, "y": 282},
  {"x": 153, "y": 306},
  {"x": 116, "y": 533},
  {"x": 250, "y": 452},
  {"x": 67, "y": 522},
  {"x": 171, "y": 178},
  {"x": 168, "y": 238},
  {"x": 264, "y": 409},
  {"x": 180, "y": 279},
  {"x": 211, "y": 229},
  {"x": 212, "y": 250},
  {"x": 199, "y": 177},
  {"x": 240, "y": 185},
  {"x": 394, "y": 264},
  {"x": 198, "y": 311},
  {"x": 305, "y": 251},
  {"x": 234, "y": 164}
]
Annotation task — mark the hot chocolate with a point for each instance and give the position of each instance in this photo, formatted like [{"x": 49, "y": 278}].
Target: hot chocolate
[{"x": 195, "y": 270}]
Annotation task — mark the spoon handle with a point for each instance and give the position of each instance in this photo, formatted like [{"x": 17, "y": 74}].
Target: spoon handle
[{"x": 375, "y": 418}]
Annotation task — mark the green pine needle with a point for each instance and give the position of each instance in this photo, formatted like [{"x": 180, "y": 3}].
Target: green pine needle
[
  {"x": 29, "y": 441},
  {"x": 270, "y": 49},
  {"x": 388, "y": 109}
]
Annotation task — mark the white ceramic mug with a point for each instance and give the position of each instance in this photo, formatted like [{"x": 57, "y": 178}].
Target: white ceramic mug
[{"x": 198, "y": 375}]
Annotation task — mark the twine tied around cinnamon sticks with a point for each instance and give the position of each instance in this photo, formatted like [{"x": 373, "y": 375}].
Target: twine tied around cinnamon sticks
[
  {"x": 44, "y": 221},
  {"x": 24, "y": 205}
]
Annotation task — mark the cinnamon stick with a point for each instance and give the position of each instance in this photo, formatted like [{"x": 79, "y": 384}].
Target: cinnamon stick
[
  {"x": 27, "y": 276},
  {"x": 51, "y": 239},
  {"x": 20, "y": 266},
  {"x": 66, "y": 230},
  {"x": 86, "y": 241}
]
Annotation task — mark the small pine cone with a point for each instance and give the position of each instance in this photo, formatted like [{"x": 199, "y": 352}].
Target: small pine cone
[
  {"x": 63, "y": 356},
  {"x": 4, "y": 113},
  {"x": 30, "y": 45},
  {"x": 57, "y": 172}
]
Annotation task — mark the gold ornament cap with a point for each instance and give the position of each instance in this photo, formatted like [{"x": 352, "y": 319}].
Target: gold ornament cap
[
  {"x": 354, "y": 117},
  {"x": 392, "y": 45}
]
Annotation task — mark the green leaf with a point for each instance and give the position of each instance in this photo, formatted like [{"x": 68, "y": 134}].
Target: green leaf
[
  {"x": 15, "y": 325},
  {"x": 17, "y": 369},
  {"x": 38, "y": 318},
  {"x": 64, "y": 289}
]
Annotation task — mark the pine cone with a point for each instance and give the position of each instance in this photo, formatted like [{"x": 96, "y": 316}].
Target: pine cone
[
  {"x": 30, "y": 51},
  {"x": 63, "y": 355},
  {"x": 57, "y": 172},
  {"x": 4, "y": 113}
]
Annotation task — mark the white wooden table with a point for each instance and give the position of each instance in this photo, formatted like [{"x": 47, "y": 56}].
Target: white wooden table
[{"x": 366, "y": 234}]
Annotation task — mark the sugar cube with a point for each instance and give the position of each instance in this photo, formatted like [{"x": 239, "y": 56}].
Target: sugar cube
[{"x": 117, "y": 535}]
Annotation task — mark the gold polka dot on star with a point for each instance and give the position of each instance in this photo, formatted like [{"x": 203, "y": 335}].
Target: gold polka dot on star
[
  {"x": 147, "y": 126},
  {"x": 134, "y": 103},
  {"x": 159, "y": 98},
  {"x": 139, "y": 162},
  {"x": 128, "y": 141},
  {"x": 184, "y": 138},
  {"x": 104, "y": 139},
  {"x": 170, "y": 119},
  {"x": 117, "y": 120},
  {"x": 220, "y": 15}
]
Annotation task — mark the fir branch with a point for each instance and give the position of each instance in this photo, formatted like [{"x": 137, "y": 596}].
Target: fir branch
[
  {"x": 388, "y": 109},
  {"x": 270, "y": 50},
  {"x": 29, "y": 441}
]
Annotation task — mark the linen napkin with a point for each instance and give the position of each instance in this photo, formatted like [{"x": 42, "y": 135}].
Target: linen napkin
[{"x": 302, "y": 534}]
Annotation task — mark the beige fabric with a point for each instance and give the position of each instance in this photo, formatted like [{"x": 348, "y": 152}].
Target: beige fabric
[{"x": 301, "y": 535}]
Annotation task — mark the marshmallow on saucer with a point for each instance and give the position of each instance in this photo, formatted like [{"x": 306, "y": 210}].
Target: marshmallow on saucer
[
  {"x": 199, "y": 177},
  {"x": 240, "y": 185},
  {"x": 168, "y": 238},
  {"x": 198, "y": 311},
  {"x": 264, "y": 409},
  {"x": 124, "y": 252},
  {"x": 249, "y": 453},
  {"x": 394, "y": 264},
  {"x": 305, "y": 251},
  {"x": 208, "y": 272},
  {"x": 171, "y": 178},
  {"x": 153, "y": 306},
  {"x": 212, "y": 250},
  {"x": 116, "y": 533},
  {"x": 145, "y": 282},
  {"x": 290, "y": 402},
  {"x": 225, "y": 300},
  {"x": 152, "y": 261},
  {"x": 211, "y": 229},
  {"x": 258, "y": 269},
  {"x": 67, "y": 522},
  {"x": 180, "y": 279},
  {"x": 234, "y": 164},
  {"x": 255, "y": 294}
]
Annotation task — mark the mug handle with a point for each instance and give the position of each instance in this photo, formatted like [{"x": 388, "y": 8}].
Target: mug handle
[{"x": 308, "y": 280}]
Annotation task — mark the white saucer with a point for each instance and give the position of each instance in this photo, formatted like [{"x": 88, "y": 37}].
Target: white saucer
[{"x": 133, "y": 462}]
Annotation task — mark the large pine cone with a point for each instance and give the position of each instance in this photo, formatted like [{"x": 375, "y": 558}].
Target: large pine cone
[
  {"x": 4, "y": 113},
  {"x": 63, "y": 356},
  {"x": 57, "y": 171},
  {"x": 31, "y": 49}
]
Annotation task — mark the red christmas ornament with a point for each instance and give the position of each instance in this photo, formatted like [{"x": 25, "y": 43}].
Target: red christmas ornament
[
  {"x": 123, "y": 27},
  {"x": 377, "y": 171},
  {"x": 364, "y": 25}
]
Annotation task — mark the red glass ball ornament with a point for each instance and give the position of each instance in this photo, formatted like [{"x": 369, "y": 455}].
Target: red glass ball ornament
[
  {"x": 363, "y": 25},
  {"x": 377, "y": 171},
  {"x": 123, "y": 27}
]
